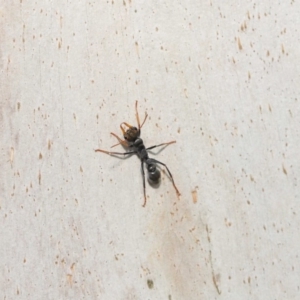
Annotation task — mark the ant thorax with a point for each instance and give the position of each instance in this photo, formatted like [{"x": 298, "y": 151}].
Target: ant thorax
[{"x": 138, "y": 142}]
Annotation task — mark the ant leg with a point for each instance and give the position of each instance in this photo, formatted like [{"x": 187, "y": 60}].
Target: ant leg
[
  {"x": 138, "y": 118},
  {"x": 158, "y": 162},
  {"x": 122, "y": 142},
  {"x": 163, "y": 144},
  {"x": 144, "y": 184},
  {"x": 115, "y": 153},
  {"x": 146, "y": 115},
  {"x": 126, "y": 124}
]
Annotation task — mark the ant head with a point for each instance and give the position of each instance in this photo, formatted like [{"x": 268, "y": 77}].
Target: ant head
[{"x": 131, "y": 134}]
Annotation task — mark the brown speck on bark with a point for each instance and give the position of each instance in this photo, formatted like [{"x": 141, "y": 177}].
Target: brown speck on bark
[
  {"x": 70, "y": 279},
  {"x": 239, "y": 44},
  {"x": 284, "y": 170},
  {"x": 195, "y": 196},
  {"x": 150, "y": 284},
  {"x": 137, "y": 49},
  {"x": 12, "y": 152}
]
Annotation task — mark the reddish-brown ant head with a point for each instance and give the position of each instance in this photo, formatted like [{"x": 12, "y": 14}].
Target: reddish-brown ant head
[{"x": 131, "y": 134}]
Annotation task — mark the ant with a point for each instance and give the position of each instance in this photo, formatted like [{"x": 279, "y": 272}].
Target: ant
[{"x": 133, "y": 141}]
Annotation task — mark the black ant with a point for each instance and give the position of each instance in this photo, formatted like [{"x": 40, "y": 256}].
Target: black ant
[{"x": 134, "y": 142}]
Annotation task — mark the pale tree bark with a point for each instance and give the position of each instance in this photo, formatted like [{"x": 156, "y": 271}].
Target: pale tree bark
[{"x": 222, "y": 79}]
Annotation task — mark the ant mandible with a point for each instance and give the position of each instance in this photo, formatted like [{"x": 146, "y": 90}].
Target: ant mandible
[{"x": 133, "y": 141}]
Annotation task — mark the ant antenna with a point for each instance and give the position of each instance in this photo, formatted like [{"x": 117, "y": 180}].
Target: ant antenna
[{"x": 137, "y": 116}]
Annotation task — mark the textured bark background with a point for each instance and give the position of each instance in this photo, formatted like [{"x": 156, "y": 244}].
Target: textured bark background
[{"x": 222, "y": 79}]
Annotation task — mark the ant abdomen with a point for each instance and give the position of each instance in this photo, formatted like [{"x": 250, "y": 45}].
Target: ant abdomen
[{"x": 153, "y": 173}]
